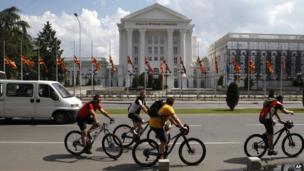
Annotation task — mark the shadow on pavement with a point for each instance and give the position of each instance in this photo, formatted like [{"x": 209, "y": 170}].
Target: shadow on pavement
[
  {"x": 68, "y": 158},
  {"x": 238, "y": 160},
  {"x": 133, "y": 166}
]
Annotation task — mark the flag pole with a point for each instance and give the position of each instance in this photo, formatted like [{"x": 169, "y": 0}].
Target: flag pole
[
  {"x": 4, "y": 57},
  {"x": 74, "y": 76},
  {"x": 39, "y": 60},
  {"x": 248, "y": 77},
  {"x": 92, "y": 73},
  {"x": 56, "y": 60},
  {"x": 21, "y": 60},
  {"x": 281, "y": 75}
]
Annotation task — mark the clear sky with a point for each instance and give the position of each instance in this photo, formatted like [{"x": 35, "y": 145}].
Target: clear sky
[{"x": 212, "y": 19}]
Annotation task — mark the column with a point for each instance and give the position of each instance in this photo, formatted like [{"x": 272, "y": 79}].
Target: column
[
  {"x": 182, "y": 54},
  {"x": 129, "y": 53},
  {"x": 170, "y": 57},
  {"x": 121, "y": 59},
  {"x": 141, "y": 58}
]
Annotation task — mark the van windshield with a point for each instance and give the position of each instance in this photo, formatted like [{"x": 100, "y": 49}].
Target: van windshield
[{"x": 62, "y": 90}]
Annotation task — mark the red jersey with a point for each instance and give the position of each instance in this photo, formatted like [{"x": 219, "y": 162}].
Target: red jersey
[
  {"x": 270, "y": 108},
  {"x": 85, "y": 110}
]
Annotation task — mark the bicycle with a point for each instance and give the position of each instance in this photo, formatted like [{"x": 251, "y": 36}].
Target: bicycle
[
  {"x": 259, "y": 144},
  {"x": 111, "y": 144},
  {"x": 146, "y": 152},
  {"x": 127, "y": 136}
]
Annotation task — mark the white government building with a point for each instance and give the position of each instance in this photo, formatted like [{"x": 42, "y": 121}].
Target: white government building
[{"x": 156, "y": 32}]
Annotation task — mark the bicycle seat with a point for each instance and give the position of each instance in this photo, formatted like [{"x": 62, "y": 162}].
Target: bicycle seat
[{"x": 288, "y": 124}]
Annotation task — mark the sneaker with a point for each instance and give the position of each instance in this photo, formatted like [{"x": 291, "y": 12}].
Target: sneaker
[{"x": 272, "y": 152}]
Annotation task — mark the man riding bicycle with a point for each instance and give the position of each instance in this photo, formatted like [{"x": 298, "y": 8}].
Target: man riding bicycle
[
  {"x": 87, "y": 115},
  {"x": 270, "y": 108},
  {"x": 134, "y": 111},
  {"x": 166, "y": 113}
]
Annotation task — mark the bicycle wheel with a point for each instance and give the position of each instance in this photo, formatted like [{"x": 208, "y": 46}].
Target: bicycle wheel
[
  {"x": 73, "y": 143},
  {"x": 192, "y": 151},
  {"x": 151, "y": 135},
  {"x": 145, "y": 152},
  {"x": 112, "y": 146},
  {"x": 123, "y": 132},
  {"x": 255, "y": 146},
  {"x": 292, "y": 144}
]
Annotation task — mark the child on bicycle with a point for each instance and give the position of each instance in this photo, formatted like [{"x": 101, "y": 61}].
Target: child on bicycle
[
  {"x": 270, "y": 108},
  {"x": 87, "y": 115}
]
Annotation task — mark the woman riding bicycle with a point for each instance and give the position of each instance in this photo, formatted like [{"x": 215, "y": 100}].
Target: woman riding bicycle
[
  {"x": 270, "y": 108},
  {"x": 87, "y": 115}
]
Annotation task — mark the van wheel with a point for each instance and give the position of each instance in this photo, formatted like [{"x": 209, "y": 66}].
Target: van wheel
[{"x": 60, "y": 118}]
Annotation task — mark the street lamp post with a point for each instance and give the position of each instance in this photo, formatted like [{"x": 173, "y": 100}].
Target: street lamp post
[{"x": 80, "y": 79}]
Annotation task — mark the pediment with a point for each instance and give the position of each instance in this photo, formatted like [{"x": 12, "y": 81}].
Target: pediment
[{"x": 156, "y": 12}]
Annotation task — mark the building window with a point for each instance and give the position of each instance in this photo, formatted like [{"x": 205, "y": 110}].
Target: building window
[
  {"x": 156, "y": 70},
  {"x": 136, "y": 60},
  {"x": 162, "y": 39},
  {"x": 149, "y": 39},
  {"x": 161, "y": 50},
  {"x": 135, "y": 39},
  {"x": 175, "y": 40},
  {"x": 155, "y": 58},
  {"x": 175, "y": 60},
  {"x": 162, "y": 58},
  {"x": 150, "y": 50},
  {"x": 135, "y": 49},
  {"x": 155, "y": 50},
  {"x": 150, "y": 58},
  {"x": 155, "y": 39},
  {"x": 175, "y": 50}
]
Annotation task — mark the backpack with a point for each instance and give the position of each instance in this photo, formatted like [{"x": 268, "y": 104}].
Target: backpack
[
  {"x": 154, "y": 108},
  {"x": 267, "y": 105}
]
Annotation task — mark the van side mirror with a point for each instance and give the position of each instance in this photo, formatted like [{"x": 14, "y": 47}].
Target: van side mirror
[{"x": 54, "y": 97}]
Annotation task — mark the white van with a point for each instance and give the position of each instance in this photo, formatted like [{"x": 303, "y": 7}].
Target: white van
[{"x": 37, "y": 99}]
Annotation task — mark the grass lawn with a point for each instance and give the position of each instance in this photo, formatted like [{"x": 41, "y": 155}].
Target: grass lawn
[{"x": 211, "y": 111}]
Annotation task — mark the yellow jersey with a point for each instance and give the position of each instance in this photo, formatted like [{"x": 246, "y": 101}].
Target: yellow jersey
[{"x": 164, "y": 113}]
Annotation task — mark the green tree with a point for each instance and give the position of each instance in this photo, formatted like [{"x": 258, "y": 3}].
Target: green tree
[
  {"x": 49, "y": 46},
  {"x": 232, "y": 96},
  {"x": 135, "y": 81},
  {"x": 13, "y": 31},
  {"x": 220, "y": 81}
]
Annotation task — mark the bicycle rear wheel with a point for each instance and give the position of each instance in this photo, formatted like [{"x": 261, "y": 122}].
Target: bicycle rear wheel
[
  {"x": 73, "y": 143},
  {"x": 255, "y": 146},
  {"x": 112, "y": 146},
  {"x": 145, "y": 153},
  {"x": 192, "y": 151},
  {"x": 292, "y": 144},
  {"x": 123, "y": 132}
]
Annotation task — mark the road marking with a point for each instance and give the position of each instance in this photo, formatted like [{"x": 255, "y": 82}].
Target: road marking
[
  {"x": 221, "y": 143},
  {"x": 195, "y": 125},
  {"x": 279, "y": 124}
]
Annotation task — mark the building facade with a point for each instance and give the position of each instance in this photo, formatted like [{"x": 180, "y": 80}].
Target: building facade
[
  {"x": 157, "y": 33},
  {"x": 278, "y": 59}
]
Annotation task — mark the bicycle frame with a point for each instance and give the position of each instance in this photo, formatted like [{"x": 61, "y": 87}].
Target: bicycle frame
[
  {"x": 280, "y": 132},
  {"x": 102, "y": 128},
  {"x": 176, "y": 138},
  {"x": 144, "y": 129}
]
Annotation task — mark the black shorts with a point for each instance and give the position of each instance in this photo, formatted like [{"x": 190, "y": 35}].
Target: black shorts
[
  {"x": 135, "y": 117},
  {"x": 82, "y": 122},
  {"x": 161, "y": 134},
  {"x": 268, "y": 123}
]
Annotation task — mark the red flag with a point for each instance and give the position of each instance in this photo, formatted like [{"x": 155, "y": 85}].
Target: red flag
[
  {"x": 96, "y": 63},
  {"x": 216, "y": 65},
  {"x": 167, "y": 67},
  {"x": 76, "y": 61},
  {"x": 10, "y": 63},
  {"x": 114, "y": 69},
  {"x": 27, "y": 61},
  {"x": 182, "y": 65},
  {"x": 251, "y": 65},
  {"x": 269, "y": 66},
  {"x": 147, "y": 63},
  {"x": 130, "y": 65},
  {"x": 161, "y": 67}
]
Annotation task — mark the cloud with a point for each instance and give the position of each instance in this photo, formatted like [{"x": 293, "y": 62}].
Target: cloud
[
  {"x": 100, "y": 31},
  {"x": 213, "y": 19}
]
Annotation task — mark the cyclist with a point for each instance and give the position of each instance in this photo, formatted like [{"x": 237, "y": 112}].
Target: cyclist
[
  {"x": 270, "y": 108},
  {"x": 134, "y": 111},
  {"x": 166, "y": 113},
  {"x": 87, "y": 115}
]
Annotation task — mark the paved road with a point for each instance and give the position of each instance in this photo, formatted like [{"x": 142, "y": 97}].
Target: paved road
[{"x": 38, "y": 145}]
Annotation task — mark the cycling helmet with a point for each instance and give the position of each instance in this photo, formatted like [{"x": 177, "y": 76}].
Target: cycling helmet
[
  {"x": 96, "y": 97},
  {"x": 289, "y": 124}
]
